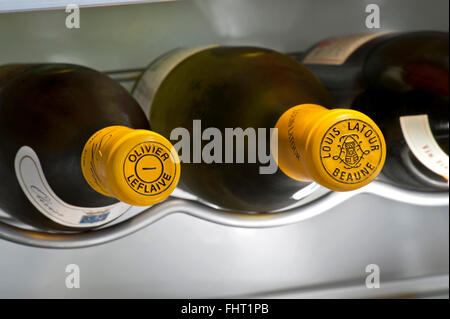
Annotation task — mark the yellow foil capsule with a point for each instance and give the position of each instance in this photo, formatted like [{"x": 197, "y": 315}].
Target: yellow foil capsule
[
  {"x": 340, "y": 149},
  {"x": 138, "y": 167}
]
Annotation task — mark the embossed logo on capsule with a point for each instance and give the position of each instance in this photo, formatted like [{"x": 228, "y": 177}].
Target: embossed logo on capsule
[
  {"x": 150, "y": 168},
  {"x": 350, "y": 151}
]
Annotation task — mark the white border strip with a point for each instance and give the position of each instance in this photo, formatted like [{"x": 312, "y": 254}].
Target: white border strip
[{"x": 36, "y": 5}]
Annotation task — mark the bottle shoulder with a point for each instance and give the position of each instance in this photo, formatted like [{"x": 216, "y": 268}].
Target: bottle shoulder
[
  {"x": 239, "y": 82},
  {"x": 54, "y": 109}
]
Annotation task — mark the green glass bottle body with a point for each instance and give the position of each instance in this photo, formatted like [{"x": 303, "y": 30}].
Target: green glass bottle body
[
  {"x": 54, "y": 109},
  {"x": 390, "y": 76},
  {"x": 229, "y": 87}
]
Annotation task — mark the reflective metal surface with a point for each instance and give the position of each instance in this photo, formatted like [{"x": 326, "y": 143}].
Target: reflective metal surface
[
  {"x": 324, "y": 203},
  {"x": 185, "y": 257},
  {"x": 182, "y": 256}
]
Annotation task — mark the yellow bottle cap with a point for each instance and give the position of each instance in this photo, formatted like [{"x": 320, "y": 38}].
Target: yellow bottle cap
[
  {"x": 340, "y": 149},
  {"x": 139, "y": 167}
]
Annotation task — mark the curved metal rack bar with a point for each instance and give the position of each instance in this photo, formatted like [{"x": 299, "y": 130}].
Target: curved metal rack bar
[{"x": 233, "y": 219}]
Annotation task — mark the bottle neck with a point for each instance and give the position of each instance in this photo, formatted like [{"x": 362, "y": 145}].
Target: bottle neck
[
  {"x": 294, "y": 127},
  {"x": 138, "y": 167},
  {"x": 95, "y": 157},
  {"x": 340, "y": 149}
]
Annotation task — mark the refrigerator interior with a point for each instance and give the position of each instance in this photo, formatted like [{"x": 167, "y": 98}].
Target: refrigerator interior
[{"x": 181, "y": 256}]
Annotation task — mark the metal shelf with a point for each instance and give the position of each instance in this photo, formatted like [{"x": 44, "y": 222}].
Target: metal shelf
[{"x": 173, "y": 205}]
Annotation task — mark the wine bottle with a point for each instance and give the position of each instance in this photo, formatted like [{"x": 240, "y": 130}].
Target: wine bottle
[
  {"x": 252, "y": 102},
  {"x": 400, "y": 80},
  {"x": 416, "y": 128},
  {"x": 74, "y": 143}
]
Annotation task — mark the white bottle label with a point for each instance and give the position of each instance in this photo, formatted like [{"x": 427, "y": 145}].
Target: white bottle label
[
  {"x": 154, "y": 75},
  {"x": 149, "y": 82},
  {"x": 417, "y": 133},
  {"x": 337, "y": 50},
  {"x": 35, "y": 186}
]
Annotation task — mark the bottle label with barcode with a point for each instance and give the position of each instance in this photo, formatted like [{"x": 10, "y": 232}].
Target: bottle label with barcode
[{"x": 35, "y": 186}]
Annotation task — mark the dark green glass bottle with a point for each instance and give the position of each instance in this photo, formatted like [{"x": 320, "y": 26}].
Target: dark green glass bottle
[
  {"x": 392, "y": 77},
  {"x": 54, "y": 109},
  {"x": 226, "y": 88}
]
